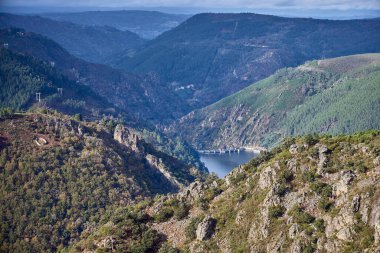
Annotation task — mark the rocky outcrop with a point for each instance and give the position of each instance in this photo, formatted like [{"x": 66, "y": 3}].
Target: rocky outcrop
[
  {"x": 322, "y": 162},
  {"x": 157, "y": 163},
  {"x": 206, "y": 228},
  {"x": 129, "y": 138},
  {"x": 267, "y": 177}
]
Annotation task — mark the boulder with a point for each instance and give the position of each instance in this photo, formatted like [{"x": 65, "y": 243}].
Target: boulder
[
  {"x": 206, "y": 228},
  {"x": 355, "y": 204},
  {"x": 293, "y": 149}
]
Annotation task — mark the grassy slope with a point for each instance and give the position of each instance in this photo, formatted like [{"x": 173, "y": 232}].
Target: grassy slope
[{"x": 319, "y": 96}]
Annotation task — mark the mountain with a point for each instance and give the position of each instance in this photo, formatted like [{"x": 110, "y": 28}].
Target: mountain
[
  {"x": 210, "y": 56},
  {"x": 92, "y": 43},
  {"x": 311, "y": 194},
  {"x": 147, "y": 24},
  {"x": 144, "y": 96},
  {"x": 338, "y": 95},
  {"x": 33, "y": 63},
  {"x": 59, "y": 176}
]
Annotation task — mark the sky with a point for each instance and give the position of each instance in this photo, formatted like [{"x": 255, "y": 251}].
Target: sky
[
  {"x": 330, "y": 9},
  {"x": 251, "y": 4}
]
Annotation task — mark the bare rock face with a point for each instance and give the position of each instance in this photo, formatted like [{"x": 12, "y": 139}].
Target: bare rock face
[
  {"x": 206, "y": 228},
  {"x": 267, "y": 177},
  {"x": 375, "y": 219},
  {"x": 128, "y": 137},
  {"x": 193, "y": 192},
  {"x": 342, "y": 186},
  {"x": 323, "y": 151},
  {"x": 293, "y": 230}
]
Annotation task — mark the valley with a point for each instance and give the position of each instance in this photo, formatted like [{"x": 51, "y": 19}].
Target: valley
[{"x": 147, "y": 132}]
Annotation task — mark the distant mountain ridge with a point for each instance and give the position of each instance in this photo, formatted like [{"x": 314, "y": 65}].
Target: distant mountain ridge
[
  {"x": 92, "y": 43},
  {"x": 210, "y": 56},
  {"x": 338, "y": 95},
  {"x": 147, "y": 24}
]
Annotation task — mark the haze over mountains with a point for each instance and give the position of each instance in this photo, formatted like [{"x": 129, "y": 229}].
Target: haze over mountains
[
  {"x": 211, "y": 56},
  {"x": 147, "y": 24},
  {"x": 102, "y": 114},
  {"x": 92, "y": 43}
]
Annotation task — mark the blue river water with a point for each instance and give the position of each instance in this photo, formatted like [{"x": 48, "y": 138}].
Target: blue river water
[{"x": 222, "y": 164}]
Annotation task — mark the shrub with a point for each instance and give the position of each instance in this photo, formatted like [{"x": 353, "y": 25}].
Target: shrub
[
  {"x": 309, "y": 176},
  {"x": 276, "y": 211},
  {"x": 302, "y": 217},
  {"x": 310, "y": 139},
  {"x": 320, "y": 225},
  {"x": 322, "y": 189},
  {"x": 282, "y": 189},
  {"x": 286, "y": 176},
  {"x": 325, "y": 204},
  {"x": 181, "y": 211},
  {"x": 164, "y": 214},
  {"x": 167, "y": 248},
  {"x": 192, "y": 228},
  {"x": 77, "y": 117}
]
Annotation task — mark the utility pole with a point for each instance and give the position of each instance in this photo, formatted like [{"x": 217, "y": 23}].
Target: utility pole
[{"x": 38, "y": 97}]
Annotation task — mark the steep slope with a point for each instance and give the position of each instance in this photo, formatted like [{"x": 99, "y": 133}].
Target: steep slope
[
  {"x": 21, "y": 77},
  {"x": 59, "y": 177},
  {"x": 210, "y": 56},
  {"x": 311, "y": 194},
  {"x": 339, "y": 95},
  {"x": 147, "y": 24},
  {"x": 92, "y": 43},
  {"x": 144, "y": 96}
]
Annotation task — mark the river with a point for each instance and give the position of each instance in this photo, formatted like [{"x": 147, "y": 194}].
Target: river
[{"x": 221, "y": 164}]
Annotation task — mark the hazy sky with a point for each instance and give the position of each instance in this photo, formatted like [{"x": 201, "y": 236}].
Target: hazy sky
[{"x": 277, "y": 4}]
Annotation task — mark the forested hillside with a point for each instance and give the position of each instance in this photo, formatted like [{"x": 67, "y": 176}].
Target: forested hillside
[
  {"x": 60, "y": 177},
  {"x": 339, "y": 95},
  {"x": 21, "y": 77},
  {"x": 92, "y": 43},
  {"x": 144, "y": 96},
  {"x": 210, "y": 56}
]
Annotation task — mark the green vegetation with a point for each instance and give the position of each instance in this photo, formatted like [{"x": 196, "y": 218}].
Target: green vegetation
[
  {"x": 293, "y": 102},
  {"x": 78, "y": 181},
  {"x": 21, "y": 77}
]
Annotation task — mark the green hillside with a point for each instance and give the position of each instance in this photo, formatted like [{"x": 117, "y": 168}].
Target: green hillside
[
  {"x": 339, "y": 95},
  {"x": 22, "y": 76}
]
